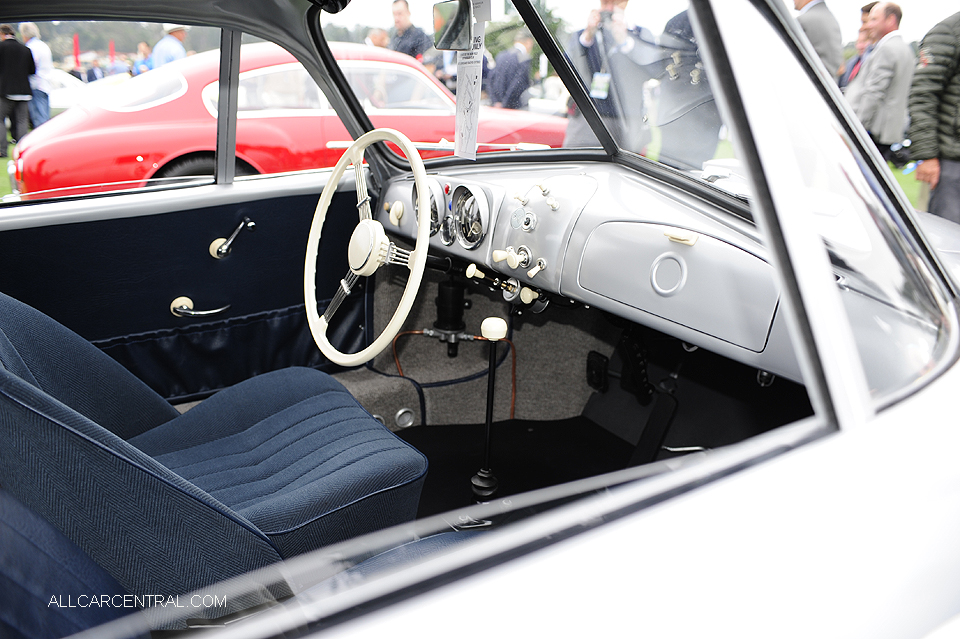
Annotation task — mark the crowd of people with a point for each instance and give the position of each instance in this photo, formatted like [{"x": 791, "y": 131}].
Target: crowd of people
[
  {"x": 906, "y": 101},
  {"x": 26, "y": 68}
]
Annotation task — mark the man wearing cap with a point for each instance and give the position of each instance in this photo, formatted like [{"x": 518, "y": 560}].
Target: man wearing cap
[{"x": 170, "y": 47}]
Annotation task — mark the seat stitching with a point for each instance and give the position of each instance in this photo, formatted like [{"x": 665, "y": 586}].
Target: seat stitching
[{"x": 265, "y": 496}]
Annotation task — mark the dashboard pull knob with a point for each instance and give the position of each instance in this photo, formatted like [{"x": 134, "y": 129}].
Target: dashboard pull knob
[
  {"x": 396, "y": 213},
  {"x": 527, "y": 295},
  {"x": 510, "y": 255},
  {"x": 473, "y": 271}
]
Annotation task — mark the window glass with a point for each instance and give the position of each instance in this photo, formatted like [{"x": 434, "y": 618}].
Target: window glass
[
  {"x": 117, "y": 107},
  {"x": 641, "y": 64},
  {"x": 815, "y": 170}
]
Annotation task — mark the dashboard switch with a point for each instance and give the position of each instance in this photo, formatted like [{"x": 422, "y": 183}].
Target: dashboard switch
[{"x": 541, "y": 264}]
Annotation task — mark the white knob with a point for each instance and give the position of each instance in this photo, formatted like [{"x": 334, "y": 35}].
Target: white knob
[
  {"x": 396, "y": 213},
  {"x": 473, "y": 271},
  {"x": 511, "y": 256},
  {"x": 527, "y": 295},
  {"x": 553, "y": 203},
  {"x": 494, "y": 328}
]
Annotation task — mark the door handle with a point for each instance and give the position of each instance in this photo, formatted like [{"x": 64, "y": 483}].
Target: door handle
[{"x": 183, "y": 307}]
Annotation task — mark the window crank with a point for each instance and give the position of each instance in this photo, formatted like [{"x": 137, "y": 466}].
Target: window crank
[{"x": 220, "y": 247}]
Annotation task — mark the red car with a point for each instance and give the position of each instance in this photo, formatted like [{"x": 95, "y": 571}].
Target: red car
[{"x": 162, "y": 124}]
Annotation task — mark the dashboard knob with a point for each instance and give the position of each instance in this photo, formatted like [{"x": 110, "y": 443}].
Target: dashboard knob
[
  {"x": 527, "y": 295},
  {"x": 473, "y": 271},
  {"x": 553, "y": 203},
  {"x": 396, "y": 213},
  {"x": 511, "y": 256}
]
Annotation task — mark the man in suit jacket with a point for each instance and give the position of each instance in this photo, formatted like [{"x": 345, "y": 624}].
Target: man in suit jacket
[
  {"x": 823, "y": 31},
  {"x": 511, "y": 75},
  {"x": 94, "y": 73},
  {"x": 880, "y": 91},
  {"x": 614, "y": 59}
]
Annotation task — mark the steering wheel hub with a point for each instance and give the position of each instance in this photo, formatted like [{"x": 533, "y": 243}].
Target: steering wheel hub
[{"x": 368, "y": 245}]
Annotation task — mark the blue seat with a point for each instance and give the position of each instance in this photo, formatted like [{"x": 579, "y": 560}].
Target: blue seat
[
  {"x": 283, "y": 463},
  {"x": 47, "y": 581}
]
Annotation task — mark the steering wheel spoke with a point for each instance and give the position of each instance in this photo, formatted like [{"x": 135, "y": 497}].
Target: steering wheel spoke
[
  {"x": 346, "y": 285},
  {"x": 398, "y": 256},
  {"x": 369, "y": 248},
  {"x": 363, "y": 198}
]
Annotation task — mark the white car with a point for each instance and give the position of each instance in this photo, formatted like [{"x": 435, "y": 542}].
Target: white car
[{"x": 692, "y": 375}]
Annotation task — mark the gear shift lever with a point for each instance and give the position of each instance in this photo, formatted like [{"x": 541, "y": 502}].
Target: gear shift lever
[{"x": 484, "y": 484}]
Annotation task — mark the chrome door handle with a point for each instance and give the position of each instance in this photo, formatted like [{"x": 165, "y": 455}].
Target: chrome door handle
[{"x": 183, "y": 307}]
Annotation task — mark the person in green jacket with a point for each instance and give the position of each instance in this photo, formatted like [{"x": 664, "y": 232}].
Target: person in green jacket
[{"x": 934, "y": 107}]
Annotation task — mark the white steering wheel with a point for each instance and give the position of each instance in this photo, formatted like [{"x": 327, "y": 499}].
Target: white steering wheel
[{"x": 369, "y": 248}]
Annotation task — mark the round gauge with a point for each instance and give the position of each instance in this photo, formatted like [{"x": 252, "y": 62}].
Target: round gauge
[
  {"x": 448, "y": 230},
  {"x": 471, "y": 213},
  {"x": 437, "y": 205}
]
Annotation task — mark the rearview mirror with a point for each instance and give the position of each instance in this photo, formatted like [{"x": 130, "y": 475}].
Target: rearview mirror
[{"x": 453, "y": 25}]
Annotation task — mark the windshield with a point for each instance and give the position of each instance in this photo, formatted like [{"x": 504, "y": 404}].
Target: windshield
[{"x": 639, "y": 64}]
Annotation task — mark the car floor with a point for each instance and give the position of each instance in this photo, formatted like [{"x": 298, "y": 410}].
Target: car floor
[{"x": 561, "y": 428}]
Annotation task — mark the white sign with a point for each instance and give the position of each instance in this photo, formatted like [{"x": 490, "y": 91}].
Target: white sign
[
  {"x": 481, "y": 10},
  {"x": 469, "y": 76}
]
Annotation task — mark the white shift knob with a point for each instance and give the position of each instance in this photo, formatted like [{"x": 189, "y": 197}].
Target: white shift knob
[{"x": 494, "y": 328}]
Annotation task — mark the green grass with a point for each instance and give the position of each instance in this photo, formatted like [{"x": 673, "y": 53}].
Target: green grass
[{"x": 909, "y": 184}]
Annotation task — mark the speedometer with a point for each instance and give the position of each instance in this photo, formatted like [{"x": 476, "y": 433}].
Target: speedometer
[{"x": 470, "y": 213}]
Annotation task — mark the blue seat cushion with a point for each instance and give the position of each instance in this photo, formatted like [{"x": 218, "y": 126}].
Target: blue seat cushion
[{"x": 307, "y": 464}]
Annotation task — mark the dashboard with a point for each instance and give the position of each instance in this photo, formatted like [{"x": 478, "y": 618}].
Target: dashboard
[{"x": 604, "y": 236}]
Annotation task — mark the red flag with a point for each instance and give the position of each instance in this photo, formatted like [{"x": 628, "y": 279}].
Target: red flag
[
  {"x": 113, "y": 54},
  {"x": 76, "y": 50}
]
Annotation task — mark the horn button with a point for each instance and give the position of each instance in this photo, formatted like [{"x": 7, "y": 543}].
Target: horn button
[{"x": 368, "y": 247}]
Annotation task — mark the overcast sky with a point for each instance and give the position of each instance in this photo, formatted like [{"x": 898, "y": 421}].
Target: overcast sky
[{"x": 918, "y": 15}]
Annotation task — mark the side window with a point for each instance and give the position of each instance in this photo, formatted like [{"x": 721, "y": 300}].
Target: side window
[
  {"x": 115, "y": 106},
  {"x": 818, "y": 178},
  {"x": 394, "y": 87}
]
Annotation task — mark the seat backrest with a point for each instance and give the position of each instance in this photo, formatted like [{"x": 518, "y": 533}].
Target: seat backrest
[
  {"x": 151, "y": 530},
  {"x": 48, "y": 581},
  {"x": 59, "y": 362}
]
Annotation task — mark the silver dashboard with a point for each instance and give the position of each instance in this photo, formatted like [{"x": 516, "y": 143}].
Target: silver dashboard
[{"x": 606, "y": 237}]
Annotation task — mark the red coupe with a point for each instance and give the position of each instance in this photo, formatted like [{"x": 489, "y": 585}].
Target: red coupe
[{"x": 162, "y": 125}]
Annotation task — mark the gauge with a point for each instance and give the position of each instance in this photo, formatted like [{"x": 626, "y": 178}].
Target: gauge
[
  {"x": 437, "y": 205},
  {"x": 448, "y": 230},
  {"x": 471, "y": 213}
]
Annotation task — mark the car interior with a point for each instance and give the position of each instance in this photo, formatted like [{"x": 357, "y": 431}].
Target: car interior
[{"x": 198, "y": 384}]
